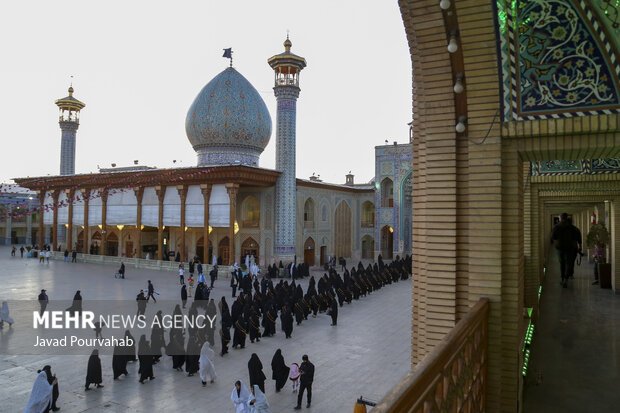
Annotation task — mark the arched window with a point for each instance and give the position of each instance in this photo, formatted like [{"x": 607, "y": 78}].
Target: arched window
[
  {"x": 387, "y": 193},
  {"x": 324, "y": 213},
  {"x": 343, "y": 230},
  {"x": 368, "y": 215},
  {"x": 250, "y": 210},
  {"x": 309, "y": 213}
]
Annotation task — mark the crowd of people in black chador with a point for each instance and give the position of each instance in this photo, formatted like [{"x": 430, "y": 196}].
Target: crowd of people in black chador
[{"x": 254, "y": 314}]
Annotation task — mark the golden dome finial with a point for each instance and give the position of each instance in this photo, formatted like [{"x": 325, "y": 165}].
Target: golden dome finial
[
  {"x": 287, "y": 43},
  {"x": 70, "y": 90}
]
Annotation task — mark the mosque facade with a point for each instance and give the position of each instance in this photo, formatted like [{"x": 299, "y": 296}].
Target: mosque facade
[{"x": 227, "y": 206}]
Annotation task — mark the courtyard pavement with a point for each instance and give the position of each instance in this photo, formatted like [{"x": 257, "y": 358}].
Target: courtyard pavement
[{"x": 366, "y": 354}]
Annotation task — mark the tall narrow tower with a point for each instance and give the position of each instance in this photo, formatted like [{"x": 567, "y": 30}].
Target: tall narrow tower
[
  {"x": 69, "y": 121},
  {"x": 286, "y": 67}
]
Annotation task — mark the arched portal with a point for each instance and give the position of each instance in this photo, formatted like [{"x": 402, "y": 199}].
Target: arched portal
[
  {"x": 368, "y": 247},
  {"x": 223, "y": 249},
  {"x": 309, "y": 213},
  {"x": 249, "y": 247},
  {"x": 95, "y": 244},
  {"x": 112, "y": 245},
  {"x": 309, "y": 251},
  {"x": 200, "y": 249},
  {"x": 387, "y": 242},
  {"x": 342, "y": 230},
  {"x": 368, "y": 215}
]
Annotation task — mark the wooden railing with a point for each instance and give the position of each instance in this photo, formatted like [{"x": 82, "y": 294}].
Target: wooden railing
[{"x": 452, "y": 377}]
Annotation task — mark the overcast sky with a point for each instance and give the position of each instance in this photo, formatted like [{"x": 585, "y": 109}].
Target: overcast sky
[{"x": 138, "y": 65}]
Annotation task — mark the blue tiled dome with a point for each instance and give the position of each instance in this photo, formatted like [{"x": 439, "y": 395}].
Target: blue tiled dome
[{"x": 228, "y": 121}]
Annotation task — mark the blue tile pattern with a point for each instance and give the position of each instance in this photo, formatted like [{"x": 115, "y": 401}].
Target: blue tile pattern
[
  {"x": 556, "y": 60},
  {"x": 227, "y": 117}
]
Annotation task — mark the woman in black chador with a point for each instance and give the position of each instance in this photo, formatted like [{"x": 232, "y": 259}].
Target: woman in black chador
[
  {"x": 130, "y": 351},
  {"x": 76, "y": 305},
  {"x": 255, "y": 368},
  {"x": 240, "y": 333},
  {"x": 286, "y": 318},
  {"x": 119, "y": 361},
  {"x": 93, "y": 373},
  {"x": 192, "y": 356},
  {"x": 176, "y": 349},
  {"x": 280, "y": 370},
  {"x": 226, "y": 321},
  {"x": 157, "y": 338},
  {"x": 146, "y": 360}
]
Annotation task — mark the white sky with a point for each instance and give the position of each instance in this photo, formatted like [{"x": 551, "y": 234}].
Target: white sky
[{"x": 138, "y": 65}]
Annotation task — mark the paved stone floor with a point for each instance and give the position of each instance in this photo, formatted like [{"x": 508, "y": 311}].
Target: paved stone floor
[
  {"x": 366, "y": 354},
  {"x": 575, "y": 365}
]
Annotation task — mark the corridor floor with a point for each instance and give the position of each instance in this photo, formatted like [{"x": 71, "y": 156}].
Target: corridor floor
[{"x": 575, "y": 364}]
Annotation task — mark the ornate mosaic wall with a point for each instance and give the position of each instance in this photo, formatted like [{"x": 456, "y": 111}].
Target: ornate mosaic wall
[
  {"x": 559, "y": 58},
  {"x": 576, "y": 167}
]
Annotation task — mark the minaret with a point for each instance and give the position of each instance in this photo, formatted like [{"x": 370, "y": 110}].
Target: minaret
[
  {"x": 69, "y": 121},
  {"x": 286, "y": 67}
]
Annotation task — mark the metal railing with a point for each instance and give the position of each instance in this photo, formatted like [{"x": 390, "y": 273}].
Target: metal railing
[{"x": 452, "y": 377}]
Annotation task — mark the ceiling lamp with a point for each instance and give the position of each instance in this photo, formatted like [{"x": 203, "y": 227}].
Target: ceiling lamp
[
  {"x": 444, "y": 4},
  {"x": 458, "y": 85},
  {"x": 460, "y": 126},
  {"x": 452, "y": 45}
]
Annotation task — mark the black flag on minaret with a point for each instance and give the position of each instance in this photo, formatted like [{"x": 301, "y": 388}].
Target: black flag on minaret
[{"x": 228, "y": 53}]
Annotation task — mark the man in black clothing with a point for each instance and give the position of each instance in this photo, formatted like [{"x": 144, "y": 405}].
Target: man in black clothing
[
  {"x": 307, "y": 377},
  {"x": 43, "y": 300},
  {"x": 141, "y": 300},
  {"x": 74, "y": 256},
  {"x": 567, "y": 240},
  {"x": 151, "y": 292},
  {"x": 213, "y": 275}
]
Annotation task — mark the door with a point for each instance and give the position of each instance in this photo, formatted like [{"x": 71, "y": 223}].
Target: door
[
  {"x": 309, "y": 251},
  {"x": 323, "y": 253},
  {"x": 129, "y": 249}
]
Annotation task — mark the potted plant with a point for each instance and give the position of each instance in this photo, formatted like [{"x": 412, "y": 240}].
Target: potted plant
[{"x": 598, "y": 238}]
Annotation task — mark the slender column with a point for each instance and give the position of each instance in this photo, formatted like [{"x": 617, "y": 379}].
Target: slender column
[
  {"x": 139, "y": 193},
  {"x": 86, "y": 195},
  {"x": 41, "y": 228},
  {"x": 232, "y": 189},
  {"x": 161, "y": 192},
  {"x": 206, "y": 194},
  {"x": 55, "y": 195},
  {"x": 104, "y": 228},
  {"x": 182, "y": 189},
  {"x": 70, "y": 194}
]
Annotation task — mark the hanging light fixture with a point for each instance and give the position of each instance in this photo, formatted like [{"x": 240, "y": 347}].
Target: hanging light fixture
[
  {"x": 236, "y": 227},
  {"x": 444, "y": 4},
  {"x": 458, "y": 85},
  {"x": 460, "y": 126},
  {"x": 120, "y": 227},
  {"x": 210, "y": 229},
  {"x": 452, "y": 44}
]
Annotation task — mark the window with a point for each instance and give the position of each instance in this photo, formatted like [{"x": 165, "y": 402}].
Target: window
[
  {"x": 250, "y": 211},
  {"x": 368, "y": 215},
  {"x": 309, "y": 213},
  {"x": 387, "y": 193}
]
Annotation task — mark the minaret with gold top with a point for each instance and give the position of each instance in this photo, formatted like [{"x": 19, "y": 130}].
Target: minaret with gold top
[
  {"x": 69, "y": 121},
  {"x": 286, "y": 89}
]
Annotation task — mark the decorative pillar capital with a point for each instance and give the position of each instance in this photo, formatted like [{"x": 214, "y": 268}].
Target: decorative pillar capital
[
  {"x": 161, "y": 193},
  {"x": 182, "y": 190},
  {"x": 206, "y": 190},
  {"x": 233, "y": 190},
  {"x": 139, "y": 192},
  {"x": 103, "y": 192}
]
